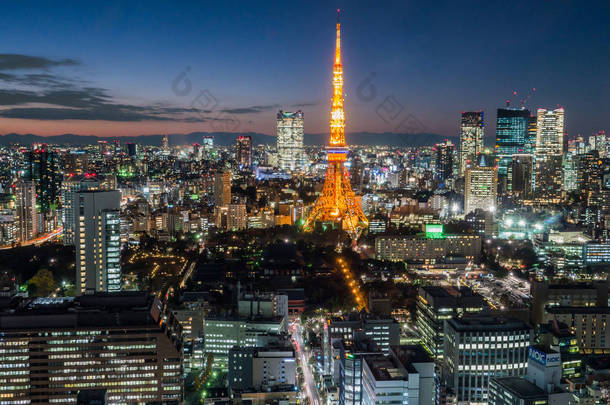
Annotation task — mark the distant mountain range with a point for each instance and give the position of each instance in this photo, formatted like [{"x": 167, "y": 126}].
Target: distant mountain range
[{"x": 228, "y": 138}]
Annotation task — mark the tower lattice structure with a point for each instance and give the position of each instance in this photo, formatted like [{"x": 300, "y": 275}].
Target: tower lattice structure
[{"x": 337, "y": 203}]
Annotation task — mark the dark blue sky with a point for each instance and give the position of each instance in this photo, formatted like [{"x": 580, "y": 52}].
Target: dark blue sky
[{"x": 108, "y": 68}]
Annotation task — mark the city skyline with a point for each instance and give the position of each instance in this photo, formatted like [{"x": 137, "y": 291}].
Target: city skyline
[
  {"x": 416, "y": 229},
  {"x": 84, "y": 81}
]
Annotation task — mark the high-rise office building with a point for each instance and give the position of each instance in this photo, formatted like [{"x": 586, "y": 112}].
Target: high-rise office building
[
  {"x": 480, "y": 347},
  {"x": 165, "y": 144},
  {"x": 548, "y": 184},
  {"x": 589, "y": 171},
  {"x": 570, "y": 172},
  {"x": 598, "y": 142},
  {"x": 132, "y": 149},
  {"x": 208, "y": 143},
  {"x": 73, "y": 184},
  {"x": 481, "y": 188},
  {"x": 572, "y": 295},
  {"x": 532, "y": 129},
  {"x": 222, "y": 188},
  {"x": 41, "y": 166},
  {"x": 27, "y": 215},
  {"x": 290, "y": 133},
  {"x": 521, "y": 176},
  {"x": 97, "y": 237},
  {"x": 350, "y": 367},
  {"x": 549, "y": 132},
  {"x": 512, "y": 135},
  {"x": 237, "y": 217},
  {"x": 54, "y": 348},
  {"x": 471, "y": 138},
  {"x": 444, "y": 161},
  {"x": 75, "y": 161},
  {"x": 244, "y": 151},
  {"x": 437, "y": 304}
]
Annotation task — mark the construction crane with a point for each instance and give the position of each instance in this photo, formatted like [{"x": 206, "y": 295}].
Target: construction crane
[
  {"x": 511, "y": 98},
  {"x": 530, "y": 94}
]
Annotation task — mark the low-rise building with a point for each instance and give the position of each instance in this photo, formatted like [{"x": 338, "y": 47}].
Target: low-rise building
[{"x": 422, "y": 248}]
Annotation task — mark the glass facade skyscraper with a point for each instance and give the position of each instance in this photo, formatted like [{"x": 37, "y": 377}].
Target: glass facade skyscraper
[{"x": 512, "y": 135}]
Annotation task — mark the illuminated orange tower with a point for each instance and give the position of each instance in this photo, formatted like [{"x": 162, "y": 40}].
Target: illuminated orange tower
[{"x": 338, "y": 202}]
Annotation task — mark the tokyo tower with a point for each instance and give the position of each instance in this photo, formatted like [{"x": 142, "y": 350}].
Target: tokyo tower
[{"x": 337, "y": 203}]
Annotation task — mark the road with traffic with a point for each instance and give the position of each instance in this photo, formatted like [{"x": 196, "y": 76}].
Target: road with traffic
[{"x": 311, "y": 388}]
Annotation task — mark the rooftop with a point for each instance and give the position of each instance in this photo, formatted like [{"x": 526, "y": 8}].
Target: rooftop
[
  {"x": 385, "y": 368},
  {"x": 487, "y": 323},
  {"x": 132, "y": 308},
  {"x": 520, "y": 387},
  {"x": 577, "y": 310}
]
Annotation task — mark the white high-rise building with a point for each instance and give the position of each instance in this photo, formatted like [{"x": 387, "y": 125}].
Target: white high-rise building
[
  {"x": 290, "y": 133},
  {"x": 73, "y": 184},
  {"x": 471, "y": 138},
  {"x": 549, "y": 132},
  {"x": 27, "y": 214},
  {"x": 97, "y": 238},
  {"x": 480, "y": 190},
  {"x": 548, "y": 183}
]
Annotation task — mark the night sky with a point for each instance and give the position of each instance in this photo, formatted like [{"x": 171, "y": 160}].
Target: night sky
[{"x": 112, "y": 68}]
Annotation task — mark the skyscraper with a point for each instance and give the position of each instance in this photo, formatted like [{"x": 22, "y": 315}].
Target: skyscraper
[
  {"x": 27, "y": 215},
  {"x": 550, "y": 130},
  {"x": 521, "y": 172},
  {"x": 512, "y": 129},
  {"x": 444, "y": 161},
  {"x": 290, "y": 140},
  {"x": 472, "y": 132},
  {"x": 208, "y": 143},
  {"x": 480, "y": 190},
  {"x": 437, "y": 304},
  {"x": 73, "y": 184},
  {"x": 244, "y": 151},
  {"x": 165, "y": 144},
  {"x": 97, "y": 238},
  {"x": 41, "y": 166},
  {"x": 549, "y": 156},
  {"x": 337, "y": 203},
  {"x": 222, "y": 188},
  {"x": 132, "y": 149}
]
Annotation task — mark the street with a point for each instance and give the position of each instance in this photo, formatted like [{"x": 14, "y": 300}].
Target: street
[
  {"x": 40, "y": 239},
  {"x": 304, "y": 355}
]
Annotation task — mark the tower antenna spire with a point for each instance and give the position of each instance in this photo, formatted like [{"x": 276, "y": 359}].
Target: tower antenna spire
[{"x": 337, "y": 203}]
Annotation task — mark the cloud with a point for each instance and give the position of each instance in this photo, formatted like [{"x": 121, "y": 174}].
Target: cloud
[
  {"x": 10, "y": 61},
  {"x": 250, "y": 110},
  {"x": 54, "y": 97},
  {"x": 304, "y": 105},
  {"x": 88, "y": 103}
]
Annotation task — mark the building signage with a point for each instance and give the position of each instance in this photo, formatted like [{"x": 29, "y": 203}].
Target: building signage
[{"x": 542, "y": 358}]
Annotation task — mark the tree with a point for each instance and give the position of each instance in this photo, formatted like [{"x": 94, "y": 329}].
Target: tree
[{"x": 42, "y": 284}]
